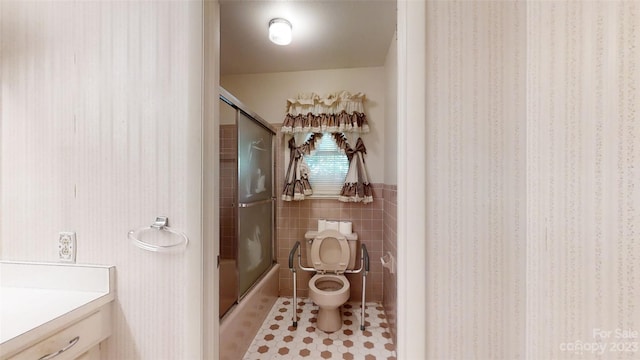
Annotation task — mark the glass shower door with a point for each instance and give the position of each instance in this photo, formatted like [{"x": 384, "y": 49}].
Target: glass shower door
[
  {"x": 255, "y": 201},
  {"x": 228, "y": 214}
]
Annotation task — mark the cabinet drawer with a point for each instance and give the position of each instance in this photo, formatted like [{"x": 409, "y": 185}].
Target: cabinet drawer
[
  {"x": 88, "y": 331},
  {"x": 92, "y": 354}
]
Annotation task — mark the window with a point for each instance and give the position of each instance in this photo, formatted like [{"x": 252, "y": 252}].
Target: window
[{"x": 328, "y": 167}]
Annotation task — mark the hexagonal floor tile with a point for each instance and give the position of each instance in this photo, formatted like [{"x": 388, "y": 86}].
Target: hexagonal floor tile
[
  {"x": 347, "y": 343},
  {"x": 278, "y": 338},
  {"x": 347, "y": 356},
  {"x": 304, "y": 352}
]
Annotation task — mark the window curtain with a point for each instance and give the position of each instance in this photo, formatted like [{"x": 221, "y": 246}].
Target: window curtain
[
  {"x": 356, "y": 186},
  {"x": 297, "y": 184},
  {"x": 337, "y": 113}
]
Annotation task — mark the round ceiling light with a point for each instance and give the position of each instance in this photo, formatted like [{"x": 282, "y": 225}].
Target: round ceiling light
[{"x": 280, "y": 31}]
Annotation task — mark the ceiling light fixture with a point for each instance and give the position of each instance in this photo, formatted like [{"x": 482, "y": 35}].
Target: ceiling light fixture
[{"x": 280, "y": 31}]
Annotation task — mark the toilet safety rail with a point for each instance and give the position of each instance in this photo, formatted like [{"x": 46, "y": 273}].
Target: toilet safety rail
[
  {"x": 364, "y": 265},
  {"x": 292, "y": 253}
]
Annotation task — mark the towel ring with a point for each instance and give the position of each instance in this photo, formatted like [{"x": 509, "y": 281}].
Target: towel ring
[{"x": 161, "y": 225}]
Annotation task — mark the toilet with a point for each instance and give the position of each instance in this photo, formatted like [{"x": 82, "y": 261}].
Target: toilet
[{"x": 330, "y": 255}]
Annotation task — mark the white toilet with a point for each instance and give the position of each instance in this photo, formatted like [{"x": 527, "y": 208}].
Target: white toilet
[{"x": 330, "y": 254}]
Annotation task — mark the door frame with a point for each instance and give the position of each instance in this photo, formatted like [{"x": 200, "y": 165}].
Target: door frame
[{"x": 412, "y": 127}]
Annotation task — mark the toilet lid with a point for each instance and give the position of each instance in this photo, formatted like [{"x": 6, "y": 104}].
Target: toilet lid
[{"x": 330, "y": 251}]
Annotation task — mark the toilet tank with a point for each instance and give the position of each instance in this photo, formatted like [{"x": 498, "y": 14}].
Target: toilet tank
[{"x": 352, "y": 240}]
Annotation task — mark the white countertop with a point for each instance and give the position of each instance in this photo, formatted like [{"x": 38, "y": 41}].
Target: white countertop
[
  {"x": 37, "y": 299},
  {"x": 24, "y": 309}
]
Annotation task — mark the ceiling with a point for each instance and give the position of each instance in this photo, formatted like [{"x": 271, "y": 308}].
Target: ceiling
[{"x": 327, "y": 34}]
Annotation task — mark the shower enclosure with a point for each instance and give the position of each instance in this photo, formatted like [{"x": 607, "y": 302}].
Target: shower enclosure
[{"x": 247, "y": 213}]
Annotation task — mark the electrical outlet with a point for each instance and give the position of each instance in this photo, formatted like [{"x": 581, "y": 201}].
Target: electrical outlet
[{"x": 67, "y": 247}]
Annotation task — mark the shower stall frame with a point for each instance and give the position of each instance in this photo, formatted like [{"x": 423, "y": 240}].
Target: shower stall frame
[{"x": 241, "y": 108}]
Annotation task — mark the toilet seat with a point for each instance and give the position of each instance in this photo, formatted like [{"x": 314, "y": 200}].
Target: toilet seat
[
  {"x": 330, "y": 252},
  {"x": 340, "y": 279}
]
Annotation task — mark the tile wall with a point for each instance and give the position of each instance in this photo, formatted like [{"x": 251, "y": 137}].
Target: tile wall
[
  {"x": 228, "y": 175},
  {"x": 390, "y": 225},
  {"x": 296, "y": 218}
]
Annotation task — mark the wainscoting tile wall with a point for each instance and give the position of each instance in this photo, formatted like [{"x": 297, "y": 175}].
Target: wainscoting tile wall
[
  {"x": 296, "y": 218},
  {"x": 390, "y": 245},
  {"x": 228, "y": 189}
]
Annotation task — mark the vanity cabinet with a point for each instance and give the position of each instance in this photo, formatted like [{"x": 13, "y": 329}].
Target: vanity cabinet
[
  {"x": 79, "y": 340},
  {"x": 92, "y": 354},
  {"x": 55, "y": 311}
]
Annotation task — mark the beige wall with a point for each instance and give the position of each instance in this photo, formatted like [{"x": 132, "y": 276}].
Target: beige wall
[
  {"x": 267, "y": 94},
  {"x": 101, "y": 133},
  {"x": 391, "y": 114}
]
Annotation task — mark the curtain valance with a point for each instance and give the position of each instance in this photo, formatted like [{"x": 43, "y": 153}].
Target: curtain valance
[{"x": 336, "y": 112}]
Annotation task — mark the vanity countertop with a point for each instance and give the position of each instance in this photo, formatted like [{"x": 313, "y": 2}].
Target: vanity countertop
[{"x": 37, "y": 299}]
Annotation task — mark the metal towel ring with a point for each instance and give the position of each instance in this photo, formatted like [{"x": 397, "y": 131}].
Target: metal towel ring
[{"x": 161, "y": 225}]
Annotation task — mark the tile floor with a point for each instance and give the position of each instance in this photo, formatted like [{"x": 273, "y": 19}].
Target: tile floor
[{"x": 278, "y": 339}]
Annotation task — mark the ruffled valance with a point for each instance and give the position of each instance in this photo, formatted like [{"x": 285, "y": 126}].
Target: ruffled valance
[{"x": 337, "y": 112}]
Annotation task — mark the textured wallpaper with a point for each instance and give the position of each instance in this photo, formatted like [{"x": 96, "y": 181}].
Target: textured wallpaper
[
  {"x": 533, "y": 186},
  {"x": 583, "y": 198},
  {"x": 476, "y": 189},
  {"x": 100, "y": 134}
]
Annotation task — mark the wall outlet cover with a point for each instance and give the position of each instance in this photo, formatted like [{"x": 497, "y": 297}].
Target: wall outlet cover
[{"x": 67, "y": 247}]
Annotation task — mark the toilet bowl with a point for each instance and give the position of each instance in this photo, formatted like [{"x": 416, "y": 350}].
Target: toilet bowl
[
  {"x": 329, "y": 288},
  {"x": 329, "y": 292}
]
